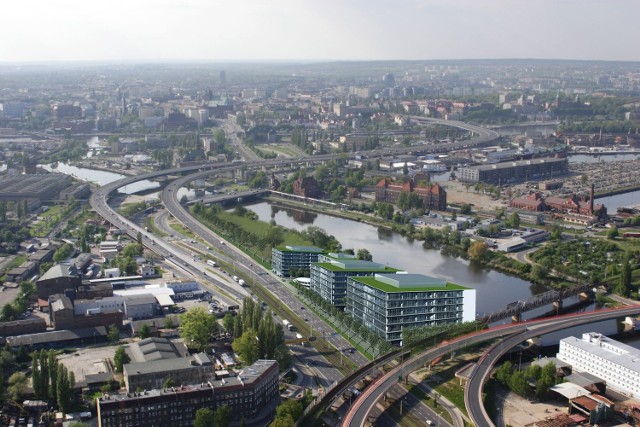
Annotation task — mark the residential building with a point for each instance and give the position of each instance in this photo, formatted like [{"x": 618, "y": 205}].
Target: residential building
[
  {"x": 246, "y": 394},
  {"x": 389, "y": 303},
  {"x": 329, "y": 279},
  {"x": 286, "y": 258},
  {"x": 610, "y": 360}
]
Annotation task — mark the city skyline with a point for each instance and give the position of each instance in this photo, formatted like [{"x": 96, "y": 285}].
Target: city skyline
[{"x": 288, "y": 30}]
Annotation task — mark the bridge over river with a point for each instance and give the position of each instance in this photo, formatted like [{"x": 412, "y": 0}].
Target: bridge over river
[{"x": 555, "y": 297}]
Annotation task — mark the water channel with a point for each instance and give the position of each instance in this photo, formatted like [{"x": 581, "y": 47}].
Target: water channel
[{"x": 494, "y": 289}]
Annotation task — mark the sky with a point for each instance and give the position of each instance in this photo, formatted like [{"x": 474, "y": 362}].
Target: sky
[{"x": 241, "y": 30}]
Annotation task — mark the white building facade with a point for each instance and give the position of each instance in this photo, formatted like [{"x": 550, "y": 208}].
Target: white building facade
[{"x": 616, "y": 363}]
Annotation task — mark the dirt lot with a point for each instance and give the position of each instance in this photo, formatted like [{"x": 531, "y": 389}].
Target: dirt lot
[
  {"x": 458, "y": 194},
  {"x": 88, "y": 361}
]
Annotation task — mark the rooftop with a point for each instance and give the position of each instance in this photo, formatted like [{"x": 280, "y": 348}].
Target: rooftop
[
  {"x": 150, "y": 349},
  {"x": 292, "y": 248},
  {"x": 171, "y": 364},
  {"x": 60, "y": 270},
  {"x": 607, "y": 349},
  {"x": 246, "y": 377},
  {"x": 354, "y": 265},
  {"x": 391, "y": 283}
]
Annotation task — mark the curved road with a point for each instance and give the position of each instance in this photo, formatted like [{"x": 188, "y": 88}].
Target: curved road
[
  {"x": 362, "y": 407},
  {"x": 482, "y": 371}
]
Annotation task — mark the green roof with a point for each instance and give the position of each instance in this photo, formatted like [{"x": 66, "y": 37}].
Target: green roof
[
  {"x": 376, "y": 283},
  {"x": 291, "y": 248},
  {"x": 373, "y": 268}
]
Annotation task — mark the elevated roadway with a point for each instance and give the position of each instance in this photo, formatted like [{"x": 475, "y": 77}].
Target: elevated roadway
[
  {"x": 359, "y": 411},
  {"x": 482, "y": 371}
]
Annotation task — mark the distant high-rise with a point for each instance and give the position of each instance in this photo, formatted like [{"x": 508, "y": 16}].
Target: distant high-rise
[
  {"x": 389, "y": 80},
  {"x": 223, "y": 78}
]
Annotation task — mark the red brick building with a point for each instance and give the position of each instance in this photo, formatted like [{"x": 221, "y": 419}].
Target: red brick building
[
  {"x": 307, "y": 187},
  {"x": 532, "y": 202},
  {"x": 432, "y": 196}
]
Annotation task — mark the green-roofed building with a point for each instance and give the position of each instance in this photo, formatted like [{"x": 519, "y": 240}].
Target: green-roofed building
[
  {"x": 387, "y": 303},
  {"x": 329, "y": 279},
  {"x": 287, "y": 258}
]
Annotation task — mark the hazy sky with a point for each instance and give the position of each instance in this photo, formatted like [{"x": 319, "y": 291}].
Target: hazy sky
[{"x": 44, "y": 30}]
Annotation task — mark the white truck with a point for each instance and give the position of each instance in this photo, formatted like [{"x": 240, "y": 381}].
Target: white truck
[
  {"x": 287, "y": 324},
  {"x": 241, "y": 282},
  {"x": 211, "y": 262}
]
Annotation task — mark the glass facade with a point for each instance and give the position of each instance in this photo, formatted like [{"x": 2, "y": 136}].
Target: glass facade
[{"x": 387, "y": 313}]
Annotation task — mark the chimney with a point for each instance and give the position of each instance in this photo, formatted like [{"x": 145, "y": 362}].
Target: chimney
[{"x": 591, "y": 198}]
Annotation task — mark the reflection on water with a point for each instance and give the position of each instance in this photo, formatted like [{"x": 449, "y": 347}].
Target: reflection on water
[
  {"x": 300, "y": 216},
  {"x": 494, "y": 290}
]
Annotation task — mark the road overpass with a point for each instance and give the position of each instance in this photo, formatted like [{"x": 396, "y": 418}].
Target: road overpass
[
  {"x": 482, "y": 371},
  {"x": 359, "y": 411}
]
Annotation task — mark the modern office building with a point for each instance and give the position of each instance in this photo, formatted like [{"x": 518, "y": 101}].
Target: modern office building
[
  {"x": 329, "y": 278},
  {"x": 616, "y": 363},
  {"x": 389, "y": 303},
  {"x": 523, "y": 170},
  {"x": 245, "y": 393},
  {"x": 287, "y": 258}
]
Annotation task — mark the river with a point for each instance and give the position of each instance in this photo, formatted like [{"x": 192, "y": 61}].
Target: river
[
  {"x": 101, "y": 177},
  {"x": 494, "y": 289}
]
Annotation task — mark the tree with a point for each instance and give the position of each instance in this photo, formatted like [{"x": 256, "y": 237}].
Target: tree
[
  {"x": 204, "y": 418},
  {"x": 227, "y": 322},
  {"x": 139, "y": 238},
  {"x": 132, "y": 250},
  {"x": 17, "y": 385},
  {"x": 196, "y": 327},
  {"x": 613, "y": 232},
  {"x": 290, "y": 407},
  {"x": 113, "y": 334},
  {"x": 247, "y": 347},
  {"x": 64, "y": 389},
  {"x": 283, "y": 422},
  {"x": 63, "y": 252},
  {"x": 120, "y": 358},
  {"x": 478, "y": 251},
  {"x": 514, "y": 220},
  {"x": 364, "y": 254},
  {"x": 144, "y": 332},
  {"x": 222, "y": 416},
  {"x": 169, "y": 322},
  {"x": 624, "y": 286}
]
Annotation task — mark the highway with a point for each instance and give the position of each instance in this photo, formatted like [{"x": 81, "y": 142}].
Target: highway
[
  {"x": 359, "y": 411},
  {"x": 317, "y": 327}
]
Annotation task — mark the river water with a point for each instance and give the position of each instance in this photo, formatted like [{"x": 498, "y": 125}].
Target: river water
[
  {"x": 494, "y": 289},
  {"x": 101, "y": 177}
]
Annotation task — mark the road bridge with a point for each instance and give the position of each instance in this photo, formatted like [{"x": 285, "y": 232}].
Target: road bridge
[
  {"x": 358, "y": 413},
  {"x": 481, "y": 372}
]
